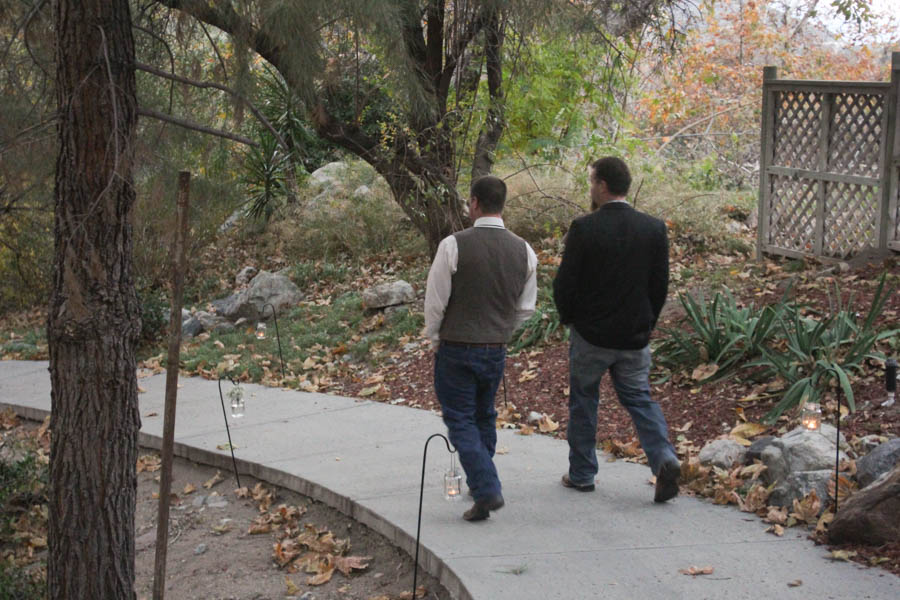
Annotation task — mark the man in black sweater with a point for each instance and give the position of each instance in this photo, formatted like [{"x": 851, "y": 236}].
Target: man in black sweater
[{"x": 610, "y": 289}]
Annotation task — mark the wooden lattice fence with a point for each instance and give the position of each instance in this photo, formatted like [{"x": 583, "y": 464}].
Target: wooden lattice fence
[{"x": 830, "y": 157}]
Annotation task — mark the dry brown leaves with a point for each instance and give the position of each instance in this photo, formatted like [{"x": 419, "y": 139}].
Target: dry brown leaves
[{"x": 300, "y": 548}]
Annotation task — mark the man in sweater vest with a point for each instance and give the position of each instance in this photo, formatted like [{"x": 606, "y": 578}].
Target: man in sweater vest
[
  {"x": 482, "y": 285},
  {"x": 610, "y": 289}
]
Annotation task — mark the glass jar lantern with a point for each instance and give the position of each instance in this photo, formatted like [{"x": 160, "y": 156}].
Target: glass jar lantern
[
  {"x": 260, "y": 331},
  {"x": 236, "y": 396},
  {"x": 452, "y": 481},
  {"x": 811, "y": 416}
]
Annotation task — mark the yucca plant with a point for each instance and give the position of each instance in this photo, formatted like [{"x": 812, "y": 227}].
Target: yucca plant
[
  {"x": 720, "y": 332},
  {"x": 812, "y": 353}
]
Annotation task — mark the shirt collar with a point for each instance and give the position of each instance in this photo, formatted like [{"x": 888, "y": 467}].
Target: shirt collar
[{"x": 489, "y": 222}]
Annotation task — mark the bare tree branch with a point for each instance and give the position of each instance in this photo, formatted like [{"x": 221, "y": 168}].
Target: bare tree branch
[{"x": 146, "y": 112}]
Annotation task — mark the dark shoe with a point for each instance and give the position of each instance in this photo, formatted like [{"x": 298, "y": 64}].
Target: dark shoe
[
  {"x": 587, "y": 487},
  {"x": 667, "y": 481},
  {"x": 481, "y": 510}
]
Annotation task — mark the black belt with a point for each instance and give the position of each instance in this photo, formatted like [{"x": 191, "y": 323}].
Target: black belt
[{"x": 472, "y": 344}]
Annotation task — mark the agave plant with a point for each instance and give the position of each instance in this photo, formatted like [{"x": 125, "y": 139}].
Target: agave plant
[{"x": 814, "y": 352}]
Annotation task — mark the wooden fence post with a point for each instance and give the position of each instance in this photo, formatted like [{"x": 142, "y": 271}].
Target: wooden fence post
[
  {"x": 179, "y": 262},
  {"x": 767, "y": 128},
  {"x": 889, "y": 230}
]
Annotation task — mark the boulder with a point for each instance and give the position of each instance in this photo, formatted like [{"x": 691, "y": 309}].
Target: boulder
[
  {"x": 265, "y": 288},
  {"x": 245, "y": 275},
  {"x": 388, "y": 294},
  {"x": 330, "y": 175},
  {"x": 811, "y": 450},
  {"x": 754, "y": 452},
  {"x": 797, "y": 485},
  {"x": 191, "y": 327},
  {"x": 877, "y": 462},
  {"x": 722, "y": 453},
  {"x": 870, "y": 515}
]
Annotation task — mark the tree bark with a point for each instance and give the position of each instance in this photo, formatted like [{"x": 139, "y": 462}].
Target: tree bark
[{"x": 94, "y": 320}]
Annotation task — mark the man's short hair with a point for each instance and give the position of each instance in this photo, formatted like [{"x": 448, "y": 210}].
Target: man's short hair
[
  {"x": 491, "y": 194},
  {"x": 614, "y": 172}
]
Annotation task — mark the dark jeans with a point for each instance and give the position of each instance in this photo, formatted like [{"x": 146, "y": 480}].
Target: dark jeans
[
  {"x": 465, "y": 381},
  {"x": 630, "y": 370}
]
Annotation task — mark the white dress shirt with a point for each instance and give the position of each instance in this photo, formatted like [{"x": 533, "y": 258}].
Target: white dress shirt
[{"x": 437, "y": 290}]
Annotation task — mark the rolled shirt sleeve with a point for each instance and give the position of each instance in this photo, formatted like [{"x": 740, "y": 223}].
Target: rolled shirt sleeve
[{"x": 437, "y": 290}]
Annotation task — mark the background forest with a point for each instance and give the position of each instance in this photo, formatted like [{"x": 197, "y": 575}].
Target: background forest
[{"x": 532, "y": 93}]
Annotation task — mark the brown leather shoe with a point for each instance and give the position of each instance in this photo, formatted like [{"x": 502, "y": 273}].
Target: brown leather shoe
[
  {"x": 588, "y": 487},
  {"x": 667, "y": 481},
  {"x": 481, "y": 510}
]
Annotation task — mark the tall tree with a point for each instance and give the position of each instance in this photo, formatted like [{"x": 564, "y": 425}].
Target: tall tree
[
  {"x": 93, "y": 320},
  {"x": 403, "y": 83}
]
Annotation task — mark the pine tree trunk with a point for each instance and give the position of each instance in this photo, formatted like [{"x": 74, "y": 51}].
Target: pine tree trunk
[{"x": 94, "y": 318}]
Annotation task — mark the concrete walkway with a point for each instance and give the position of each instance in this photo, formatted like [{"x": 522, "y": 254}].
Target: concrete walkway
[{"x": 365, "y": 459}]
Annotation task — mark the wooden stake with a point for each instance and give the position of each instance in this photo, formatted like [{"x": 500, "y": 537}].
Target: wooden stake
[{"x": 179, "y": 263}]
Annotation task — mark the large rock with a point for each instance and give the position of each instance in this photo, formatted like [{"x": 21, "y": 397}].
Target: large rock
[
  {"x": 798, "y": 485},
  {"x": 388, "y": 294},
  {"x": 246, "y": 275},
  {"x": 870, "y": 516},
  {"x": 265, "y": 288},
  {"x": 191, "y": 327},
  {"x": 330, "y": 175},
  {"x": 754, "y": 452},
  {"x": 877, "y": 462},
  {"x": 722, "y": 453},
  {"x": 798, "y": 462}
]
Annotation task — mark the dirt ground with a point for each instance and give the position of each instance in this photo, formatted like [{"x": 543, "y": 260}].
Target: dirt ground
[{"x": 211, "y": 555}]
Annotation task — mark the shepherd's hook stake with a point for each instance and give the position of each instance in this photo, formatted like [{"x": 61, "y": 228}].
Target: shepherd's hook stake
[
  {"x": 227, "y": 430},
  {"x": 421, "y": 495}
]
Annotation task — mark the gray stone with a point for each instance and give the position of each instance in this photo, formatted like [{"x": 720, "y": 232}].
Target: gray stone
[
  {"x": 191, "y": 327},
  {"x": 777, "y": 468},
  {"x": 807, "y": 450},
  {"x": 388, "y": 294},
  {"x": 362, "y": 191},
  {"x": 232, "y": 221},
  {"x": 877, "y": 462},
  {"x": 722, "y": 453},
  {"x": 200, "y": 549},
  {"x": 734, "y": 227},
  {"x": 870, "y": 515},
  {"x": 308, "y": 596},
  {"x": 209, "y": 321},
  {"x": 754, "y": 452},
  {"x": 265, "y": 288},
  {"x": 330, "y": 175},
  {"x": 198, "y": 501},
  {"x": 797, "y": 485},
  {"x": 217, "y": 502},
  {"x": 185, "y": 314},
  {"x": 246, "y": 275}
]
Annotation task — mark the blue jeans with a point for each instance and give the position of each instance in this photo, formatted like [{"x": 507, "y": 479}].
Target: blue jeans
[
  {"x": 465, "y": 381},
  {"x": 630, "y": 371}
]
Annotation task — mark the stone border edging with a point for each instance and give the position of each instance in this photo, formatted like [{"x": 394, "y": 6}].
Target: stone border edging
[{"x": 428, "y": 561}]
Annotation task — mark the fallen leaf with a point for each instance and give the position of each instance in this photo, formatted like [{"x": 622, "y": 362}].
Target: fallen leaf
[
  {"x": 844, "y": 555},
  {"x": 694, "y": 571},
  {"x": 527, "y": 375},
  {"x": 368, "y": 391},
  {"x": 704, "y": 371},
  {"x": 776, "y": 529},
  {"x": 292, "y": 589},
  {"x": 546, "y": 424},
  {"x": 748, "y": 430},
  {"x": 152, "y": 414},
  {"x": 149, "y": 463},
  {"x": 502, "y": 450},
  {"x": 189, "y": 489},
  {"x": 324, "y": 571},
  {"x": 795, "y": 583},
  {"x": 141, "y": 390},
  {"x": 345, "y": 564},
  {"x": 214, "y": 480},
  {"x": 525, "y": 430}
]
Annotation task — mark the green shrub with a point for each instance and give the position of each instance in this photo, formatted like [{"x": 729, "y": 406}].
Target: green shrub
[
  {"x": 154, "y": 313},
  {"x": 817, "y": 352},
  {"x": 720, "y": 332}
]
